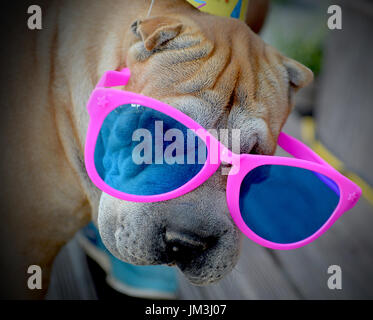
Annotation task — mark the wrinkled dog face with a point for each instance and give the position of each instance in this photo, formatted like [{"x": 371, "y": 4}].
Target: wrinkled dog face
[{"x": 222, "y": 77}]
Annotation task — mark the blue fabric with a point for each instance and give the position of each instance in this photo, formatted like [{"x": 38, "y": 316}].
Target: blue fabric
[
  {"x": 157, "y": 278},
  {"x": 286, "y": 204},
  {"x": 114, "y": 153},
  {"x": 237, "y": 10}
]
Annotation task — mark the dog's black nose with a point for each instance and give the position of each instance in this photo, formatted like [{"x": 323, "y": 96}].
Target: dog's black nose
[{"x": 181, "y": 245}]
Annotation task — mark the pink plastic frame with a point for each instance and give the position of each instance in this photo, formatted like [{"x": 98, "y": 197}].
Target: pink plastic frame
[{"x": 103, "y": 100}]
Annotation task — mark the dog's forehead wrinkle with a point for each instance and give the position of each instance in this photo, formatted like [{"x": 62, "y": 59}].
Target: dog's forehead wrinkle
[
  {"x": 209, "y": 73},
  {"x": 197, "y": 83},
  {"x": 170, "y": 58},
  {"x": 183, "y": 41},
  {"x": 185, "y": 45}
]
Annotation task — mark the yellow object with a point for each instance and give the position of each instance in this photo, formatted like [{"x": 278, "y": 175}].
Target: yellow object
[
  {"x": 224, "y": 8},
  {"x": 308, "y": 135}
]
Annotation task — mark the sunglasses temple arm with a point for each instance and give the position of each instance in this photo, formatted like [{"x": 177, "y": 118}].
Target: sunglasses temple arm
[
  {"x": 114, "y": 78},
  {"x": 299, "y": 150}
]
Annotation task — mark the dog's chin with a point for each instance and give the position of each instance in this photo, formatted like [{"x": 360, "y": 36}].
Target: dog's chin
[
  {"x": 205, "y": 271},
  {"x": 199, "y": 277},
  {"x": 202, "y": 278},
  {"x": 196, "y": 275},
  {"x": 201, "y": 271}
]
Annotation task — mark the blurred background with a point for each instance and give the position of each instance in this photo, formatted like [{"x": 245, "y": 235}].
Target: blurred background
[{"x": 333, "y": 116}]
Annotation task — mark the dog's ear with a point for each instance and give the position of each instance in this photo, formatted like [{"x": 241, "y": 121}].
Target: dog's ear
[
  {"x": 156, "y": 31},
  {"x": 299, "y": 75}
]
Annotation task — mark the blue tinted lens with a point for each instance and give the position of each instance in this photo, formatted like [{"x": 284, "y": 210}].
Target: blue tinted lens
[
  {"x": 286, "y": 204},
  {"x": 141, "y": 151}
]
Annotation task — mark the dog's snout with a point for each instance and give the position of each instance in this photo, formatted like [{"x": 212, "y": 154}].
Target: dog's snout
[{"x": 181, "y": 245}]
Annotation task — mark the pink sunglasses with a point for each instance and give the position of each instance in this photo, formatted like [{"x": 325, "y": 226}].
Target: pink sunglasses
[{"x": 278, "y": 202}]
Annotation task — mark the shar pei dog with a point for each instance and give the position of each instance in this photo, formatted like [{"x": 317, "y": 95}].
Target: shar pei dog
[{"x": 214, "y": 69}]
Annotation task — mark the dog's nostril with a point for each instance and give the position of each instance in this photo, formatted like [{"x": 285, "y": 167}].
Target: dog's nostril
[
  {"x": 180, "y": 245},
  {"x": 180, "y": 239}
]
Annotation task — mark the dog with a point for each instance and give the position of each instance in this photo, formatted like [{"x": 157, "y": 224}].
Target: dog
[{"x": 214, "y": 69}]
